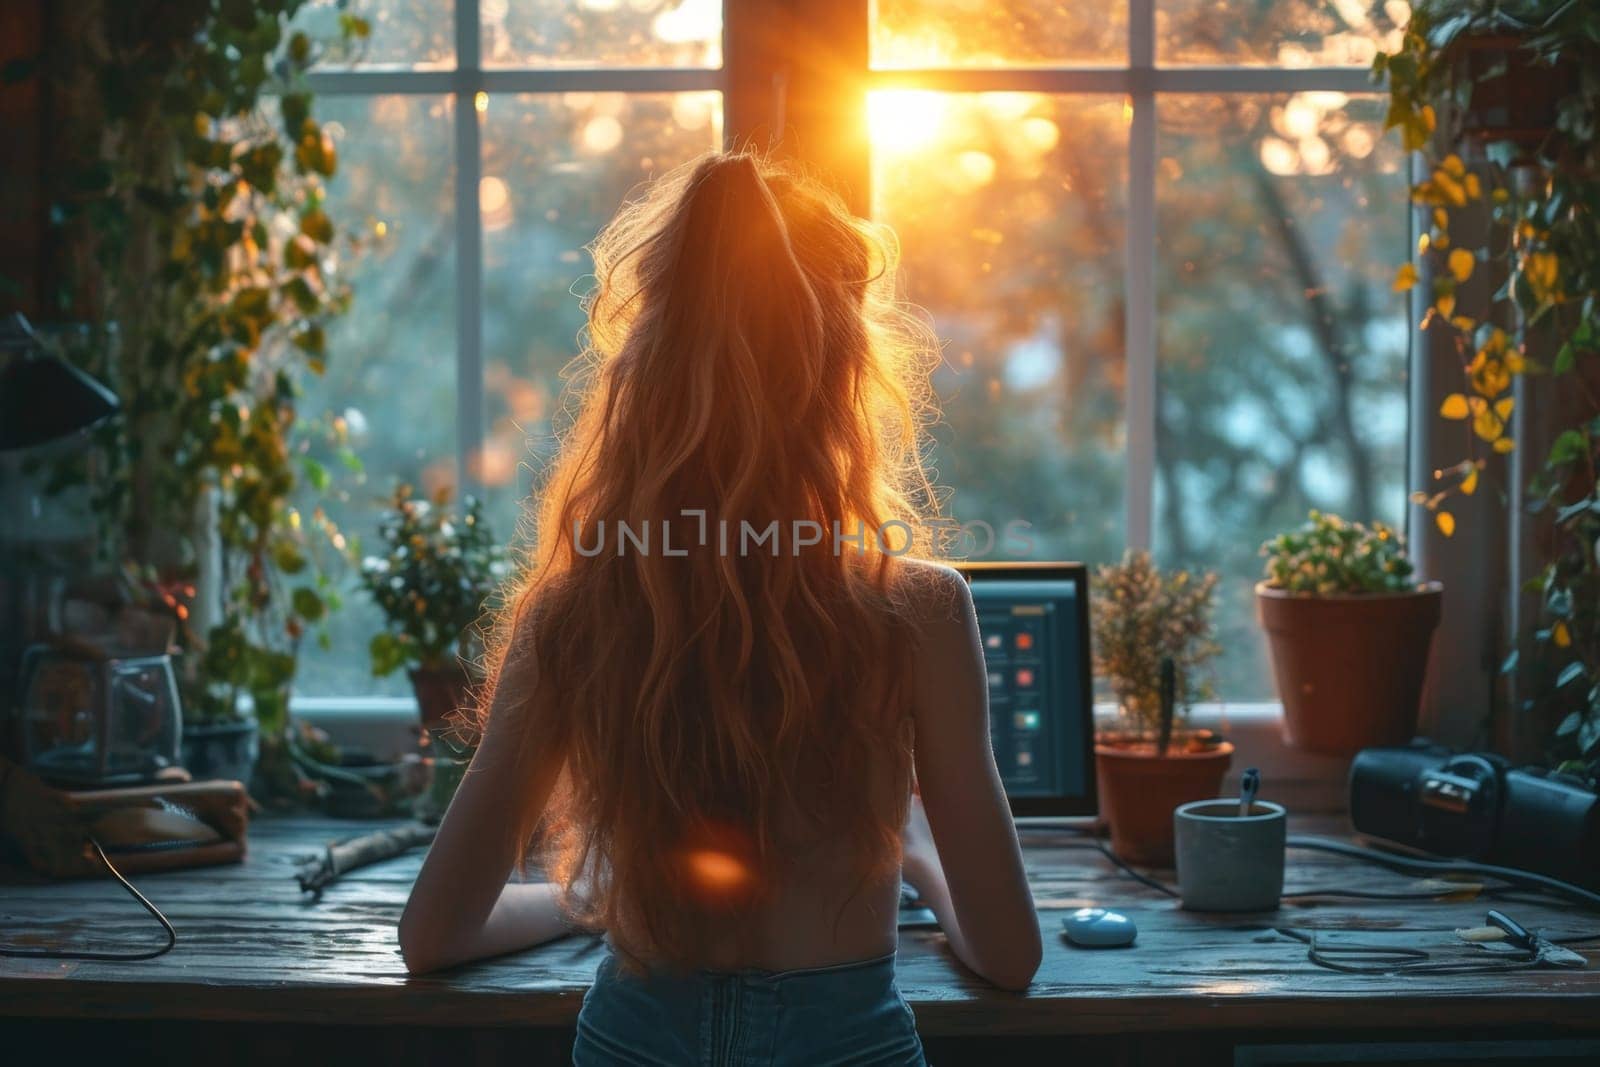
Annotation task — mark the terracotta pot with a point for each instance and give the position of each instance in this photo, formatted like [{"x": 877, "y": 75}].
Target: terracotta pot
[
  {"x": 1139, "y": 792},
  {"x": 440, "y": 691},
  {"x": 1349, "y": 668}
]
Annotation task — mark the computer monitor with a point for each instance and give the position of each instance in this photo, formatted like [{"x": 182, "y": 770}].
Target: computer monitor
[{"x": 1034, "y": 622}]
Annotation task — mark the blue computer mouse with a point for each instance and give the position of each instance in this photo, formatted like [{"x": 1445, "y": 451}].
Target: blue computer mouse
[{"x": 1099, "y": 928}]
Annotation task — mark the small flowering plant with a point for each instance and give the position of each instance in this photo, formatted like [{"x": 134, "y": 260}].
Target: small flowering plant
[
  {"x": 1329, "y": 556},
  {"x": 437, "y": 570}
]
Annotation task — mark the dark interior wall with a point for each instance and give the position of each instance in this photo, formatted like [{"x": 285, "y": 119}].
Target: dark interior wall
[{"x": 22, "y": 146}]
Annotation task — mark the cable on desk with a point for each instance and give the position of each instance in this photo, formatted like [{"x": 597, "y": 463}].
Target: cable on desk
[
  {"x": 1515, "y": 879},
  {"x": 1413, "y": 866},
  {"x": 105, "y": 957}
]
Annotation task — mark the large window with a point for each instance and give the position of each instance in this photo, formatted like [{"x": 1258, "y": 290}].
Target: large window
[{"x": 1155, "y": 236}]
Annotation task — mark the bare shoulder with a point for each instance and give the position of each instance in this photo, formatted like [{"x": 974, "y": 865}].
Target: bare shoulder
[{"x": 936, "y": 594}]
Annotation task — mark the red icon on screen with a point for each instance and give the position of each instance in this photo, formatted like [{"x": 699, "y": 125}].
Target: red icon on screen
[
  {"x": 1025, "y": 677},
  {"x": 1024, "y": 641}
]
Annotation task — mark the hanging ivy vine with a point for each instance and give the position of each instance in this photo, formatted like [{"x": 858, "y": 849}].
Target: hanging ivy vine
[
  {"x": 1484, "y": 67},
  {"x": 204, "y": 250}
]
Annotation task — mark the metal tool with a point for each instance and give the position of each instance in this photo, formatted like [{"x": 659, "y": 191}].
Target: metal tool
[{"x": 1544, "y": 950}]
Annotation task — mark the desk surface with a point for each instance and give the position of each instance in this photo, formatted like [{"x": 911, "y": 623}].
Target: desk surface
[{"x": 250, "y": 948}]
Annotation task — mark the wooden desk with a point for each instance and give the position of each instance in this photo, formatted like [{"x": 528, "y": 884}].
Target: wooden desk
[{"x": 252, "y": 951}]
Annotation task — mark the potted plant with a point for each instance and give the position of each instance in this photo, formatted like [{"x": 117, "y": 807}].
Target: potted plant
[
  {"x": 436, "y": 572},
  {"x": 1151, "y": 763},
  {"x": 1349, "y": 631}
]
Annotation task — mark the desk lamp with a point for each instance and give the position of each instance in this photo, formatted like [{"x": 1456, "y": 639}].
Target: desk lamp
[{"x": 42, "y": 397}]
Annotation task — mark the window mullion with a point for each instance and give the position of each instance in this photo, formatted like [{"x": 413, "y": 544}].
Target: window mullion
[
  {"x": 1140, "y": 253},
  {"x": 469, "y": 249}
]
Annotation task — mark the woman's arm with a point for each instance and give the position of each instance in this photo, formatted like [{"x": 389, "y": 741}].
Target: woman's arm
[
  {"x": 961, "y": 844},
  {"x": 461, "y": 907}
]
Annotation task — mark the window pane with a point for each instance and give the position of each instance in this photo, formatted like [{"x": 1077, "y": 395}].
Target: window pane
[
  {"x": 391, "y": 360},
  {"x": 402, "y": 33},
  {"x": 984, "y": 33},
  {"x": 602, "y": 33},
  {"x": 1010, "y": 208},
  {"x": 555, "y": 169},
  {"x": 1290, "y": 33},
  {"x": 1282, "y": 369}
]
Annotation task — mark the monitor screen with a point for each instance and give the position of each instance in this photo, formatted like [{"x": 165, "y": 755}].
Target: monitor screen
[{"x": 1034, "y": 622}]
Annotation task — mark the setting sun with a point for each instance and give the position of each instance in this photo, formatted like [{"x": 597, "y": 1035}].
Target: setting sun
[{"x": 906, "y": 120}]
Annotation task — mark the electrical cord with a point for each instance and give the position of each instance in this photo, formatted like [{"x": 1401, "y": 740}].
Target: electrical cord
[
  {"x": 1409, "y": 865},
  {"x": 1515, "y": 879},
  {"x": 105, "y": 957}
]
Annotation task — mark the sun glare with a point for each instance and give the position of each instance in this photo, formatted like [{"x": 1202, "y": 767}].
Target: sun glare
[{"x": 906, "y": 120}]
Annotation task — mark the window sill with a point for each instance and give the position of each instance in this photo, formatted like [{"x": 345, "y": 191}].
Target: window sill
[{"x": 1301, "y": 781}]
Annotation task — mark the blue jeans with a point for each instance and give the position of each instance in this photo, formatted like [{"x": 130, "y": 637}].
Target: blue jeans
[{"x": 849, "y": 1013}]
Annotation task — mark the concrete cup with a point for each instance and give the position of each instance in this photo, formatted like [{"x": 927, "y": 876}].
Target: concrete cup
[{"x": 1228, "y": 861}]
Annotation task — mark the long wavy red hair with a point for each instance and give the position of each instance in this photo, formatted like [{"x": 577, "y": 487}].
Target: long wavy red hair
[{"x": 746, "y": 358}]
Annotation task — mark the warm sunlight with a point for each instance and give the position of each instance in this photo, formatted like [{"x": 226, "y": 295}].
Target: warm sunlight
[{"x": 903, "y": 121}]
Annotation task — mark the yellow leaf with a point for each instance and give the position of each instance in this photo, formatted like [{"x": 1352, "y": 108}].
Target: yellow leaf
[
  {"x": 1441, "y": 218},
  {"x": 1422, "y": 243},
  {"x": 1469, "y": 484},
  {"x": 1453, "y": 166},
  {"x": 1454, "y": 406},
  {"x": 1504, "y": 445},
  {"x": 1487, "y": 426},
  {"x": 1450, "y": 189},
  {"x": 1405, "y": 277},
  {"x": 1543, "y": 270},
  {"x": 1430, "y": 120},
  {"x": 1561, "y": 635},
  {"x": 1464, "y": 323},
  {"x": 1489, "y": 376},
  {"x": 1474, "y": 186},
  {"x": 1446, "y": 523},
  {"x": 1461, "y": 264},
  {"x": 1504, "y": 407},
  {"x": 1446, "y": 304}
]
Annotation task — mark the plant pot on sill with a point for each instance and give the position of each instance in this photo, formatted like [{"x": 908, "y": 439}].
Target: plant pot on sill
[
  {"x": 440, "y": 691},
  {"x": 1140, "y": 790},
  {"x": 221, "y": 749},
  {"x": 1350, "y": 668}
]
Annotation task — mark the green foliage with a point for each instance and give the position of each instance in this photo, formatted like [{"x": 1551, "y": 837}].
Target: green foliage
[
  {"x": 1329, "y": 556},
  {"x": 1142, "y": 616},
  {"x": 436, "y": 572},
  {"x": 1545, "y": 199},
  {"x": 196, "y": 219}
]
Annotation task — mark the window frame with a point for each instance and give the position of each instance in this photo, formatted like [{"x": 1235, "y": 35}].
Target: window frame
[{"x": 795, "y": 82}]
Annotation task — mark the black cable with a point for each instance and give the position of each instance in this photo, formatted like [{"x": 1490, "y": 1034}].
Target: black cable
[
  {"x": 1396, "y": 959},
  {"x": 1142, "y": 879},
  {"x": 105, "y": 957},
  {"x": 1412, "y": 866},
  {"x": 1533, "y": 884}
]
